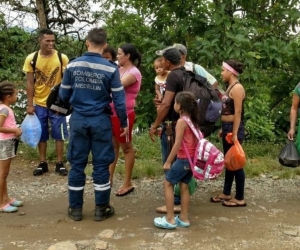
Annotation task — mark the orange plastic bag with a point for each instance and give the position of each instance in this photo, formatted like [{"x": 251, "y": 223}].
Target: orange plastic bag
[{"x": 235, "y": 157}]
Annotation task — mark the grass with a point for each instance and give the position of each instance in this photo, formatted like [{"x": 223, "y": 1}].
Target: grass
[{"x": 262, "y": 158}]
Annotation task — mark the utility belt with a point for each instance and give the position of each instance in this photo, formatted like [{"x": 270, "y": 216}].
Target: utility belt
[
  {"x": 169, "y": 127},
  {"x": 169, "y": 123}
]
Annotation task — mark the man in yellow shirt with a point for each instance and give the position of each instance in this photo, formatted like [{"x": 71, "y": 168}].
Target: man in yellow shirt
[{"x": 43, "y": 72}]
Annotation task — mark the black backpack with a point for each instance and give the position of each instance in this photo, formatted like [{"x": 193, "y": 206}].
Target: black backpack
[
  {"x": 209, "y": 103},
  {"x": 56, "y": 104},
  {"x": 35, "y": 56}
]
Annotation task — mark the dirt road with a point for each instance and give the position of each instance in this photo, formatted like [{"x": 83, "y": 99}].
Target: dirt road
[{"x": 271, "y": 219}]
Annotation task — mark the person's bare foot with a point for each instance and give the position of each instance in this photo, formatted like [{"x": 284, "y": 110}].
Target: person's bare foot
[
  {"x": 220, "y": 198},
  {"x": 124, "y": 191},
  {"x": 163, "y": 209},
  {"x": 234, "y": 203}
]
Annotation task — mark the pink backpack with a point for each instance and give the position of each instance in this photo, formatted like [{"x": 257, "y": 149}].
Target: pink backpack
[{"x": 208, "y": 161}]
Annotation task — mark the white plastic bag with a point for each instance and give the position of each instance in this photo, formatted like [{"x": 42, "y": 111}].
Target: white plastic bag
[{"x": 31, "y": 130}]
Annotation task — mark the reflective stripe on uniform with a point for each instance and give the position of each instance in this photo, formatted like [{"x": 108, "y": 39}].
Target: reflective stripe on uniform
[
  {"x": 75, "y": 188},
  {"x": 96, "y": 66},
  {"x": 117, "y": 89},
  {"x": 102, "y": 187},
  {"x": 62, "y": 131},
  {"x": 65, "y": 86}
]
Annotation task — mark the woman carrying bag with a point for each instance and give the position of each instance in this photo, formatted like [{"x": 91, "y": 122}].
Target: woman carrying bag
[{"x": 232, "y": 114}]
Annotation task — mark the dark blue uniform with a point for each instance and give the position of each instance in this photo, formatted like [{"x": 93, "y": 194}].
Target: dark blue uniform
[{"x": 90, "y": 84}]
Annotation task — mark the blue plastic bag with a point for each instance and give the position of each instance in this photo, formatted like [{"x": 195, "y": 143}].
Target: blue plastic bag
[{"x": 31, "y": 130}]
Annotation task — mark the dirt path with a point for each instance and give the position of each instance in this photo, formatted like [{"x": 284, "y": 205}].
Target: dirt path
[{"x": 270, "y": 221}]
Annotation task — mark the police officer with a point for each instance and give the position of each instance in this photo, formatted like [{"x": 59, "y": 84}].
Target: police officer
[{"x": 90, "y": 83}]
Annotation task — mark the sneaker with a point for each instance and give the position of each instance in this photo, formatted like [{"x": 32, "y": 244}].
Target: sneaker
[
  {"x": 103, "y": 212},
  {"x": 60, "y": 169},
  {"x": 41, "y": 169},
  {"x": 75, "y": 214}
]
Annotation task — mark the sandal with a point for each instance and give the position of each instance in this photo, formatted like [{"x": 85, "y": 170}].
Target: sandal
[
  {"x": 181, "y": 223},
  {"x": 8, "y": 209},
  {"x": 16, "y": 203},
  {"x": 161, "y": 222},
  {"x": 217, "y": 199},
  {"x": 232, "y": 203}
]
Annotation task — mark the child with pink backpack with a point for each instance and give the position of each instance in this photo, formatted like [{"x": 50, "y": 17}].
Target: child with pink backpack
[{"x": 187, "y": 146}]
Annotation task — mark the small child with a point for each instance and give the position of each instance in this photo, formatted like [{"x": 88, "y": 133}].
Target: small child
[
  {"x": 9, "y": 132},
  {"x": 160, "y": 79},
  {"x": 180, "y": 172},
  {"x": 110, "y": 53}
]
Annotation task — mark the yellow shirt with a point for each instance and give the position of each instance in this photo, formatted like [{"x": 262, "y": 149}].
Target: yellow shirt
[{"x": 47, "y": 74}]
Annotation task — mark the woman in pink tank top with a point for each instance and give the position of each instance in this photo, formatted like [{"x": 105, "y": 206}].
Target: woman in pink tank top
[{"x": 131, "y": 80}]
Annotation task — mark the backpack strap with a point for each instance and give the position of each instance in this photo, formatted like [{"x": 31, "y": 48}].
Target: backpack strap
[
  {"x": 196, "y": 132},
  {"x": 34, "y": 59},
  {"x": 61, "y": 62}
]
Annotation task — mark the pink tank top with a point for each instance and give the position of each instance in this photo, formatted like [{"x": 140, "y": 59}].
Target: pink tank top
[
  {"x": 9, "y": 122},
  {"x": 131, "y": 91},
  {"x": 191, "y": 143}
]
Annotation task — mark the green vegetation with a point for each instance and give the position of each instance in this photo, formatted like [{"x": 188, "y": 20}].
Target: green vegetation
[{"x": 263, "y": 35}]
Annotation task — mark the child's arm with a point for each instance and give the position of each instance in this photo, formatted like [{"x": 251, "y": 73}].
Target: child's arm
[
  {"x": 157, "y": 91},
  {"x": 16, "y": 131},
  {"x": 180, "y": 128}
]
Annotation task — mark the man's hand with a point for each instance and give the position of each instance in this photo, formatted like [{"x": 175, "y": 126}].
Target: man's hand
[
  {"x": 152, "y": 132},
  {"x": 30, "y": 109}
]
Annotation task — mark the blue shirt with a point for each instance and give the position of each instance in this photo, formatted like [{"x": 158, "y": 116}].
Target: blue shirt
[{"x": 90, "y": 84}]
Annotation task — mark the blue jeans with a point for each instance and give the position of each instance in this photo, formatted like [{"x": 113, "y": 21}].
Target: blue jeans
[
  {"x": 238, "y": 175},
  {"x": 90, "y": 134}
]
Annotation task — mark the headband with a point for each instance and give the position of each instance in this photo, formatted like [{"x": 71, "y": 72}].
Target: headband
[{"x": 228, "y": 67}]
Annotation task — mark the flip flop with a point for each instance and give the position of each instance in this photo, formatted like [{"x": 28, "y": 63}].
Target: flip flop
[
  {"x": 217, "y": 199},
  {"x": 15, "y": 203},
  {"x": 130, "y": 190},
  {"x": 8, "y": 209},
  {"x": 181, "y": 223},
  {"x": 161, "y": 222},
  {"x": 235, "y": 204}
]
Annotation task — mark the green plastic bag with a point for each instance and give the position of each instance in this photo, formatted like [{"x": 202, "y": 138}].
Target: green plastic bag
[{"x": 192, "y": 187}]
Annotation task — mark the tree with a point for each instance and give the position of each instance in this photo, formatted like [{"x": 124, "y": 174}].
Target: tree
[
  {"x": 61, "y": 16},
  {"x": 258, "y": 33}
]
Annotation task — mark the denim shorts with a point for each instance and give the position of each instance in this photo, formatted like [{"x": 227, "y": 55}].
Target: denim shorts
[
  {"x": 58, "y": 124},
  {"x": 180, "y": 171}
]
